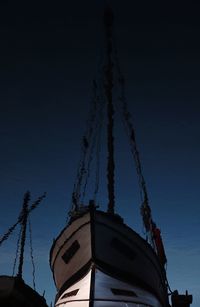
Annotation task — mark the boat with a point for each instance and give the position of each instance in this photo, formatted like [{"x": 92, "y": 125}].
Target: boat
[
  {"x": 14, "y": 292},
  {"x": 98, "y": 257},
  {"x": 97, "y": 260}
]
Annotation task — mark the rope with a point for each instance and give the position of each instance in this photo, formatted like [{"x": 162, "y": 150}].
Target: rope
[
  {"x": 23, "y": 235},
  {"x": 83, "y": 164},
  {"x": 24, "y": 217},
  {"x": 37, "y": 202},
  {"x": 129, "y": 128},
  {"x": 168, "y": 286},
  {"x": 93, "y": 141},
  {"x": 31, "y": 253},
  {"x": 98, "y": 150},
  {"x": 130, "y": 132},
  {"x": 17, "y": 252},
  {"x": 20, "y": 217},
  {"x": 10, "y": 231},
  {"x": 87, "y": 170},
  {"x": 152, "y": 232},
  {"x": 80, "y": 174}
]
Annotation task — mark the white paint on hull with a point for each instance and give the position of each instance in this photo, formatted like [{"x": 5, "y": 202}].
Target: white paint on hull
[
  {"x": 103, "y": 294},
  {"x": 83, "y": 294}
]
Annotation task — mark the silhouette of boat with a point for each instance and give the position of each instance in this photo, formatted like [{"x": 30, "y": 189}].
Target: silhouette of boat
[
  {"x": 14, "y": 292},
  {"x": 97, "y": 260}
]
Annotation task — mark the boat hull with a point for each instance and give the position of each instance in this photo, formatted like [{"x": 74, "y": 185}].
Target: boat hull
[
  {"x": 105, "y": 291},
  {"x": 15, "y": 293},
  {"x": 103, "y": 242}
]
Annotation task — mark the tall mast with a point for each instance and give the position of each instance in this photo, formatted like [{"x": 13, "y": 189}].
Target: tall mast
[{"x": 108, "y": 21}]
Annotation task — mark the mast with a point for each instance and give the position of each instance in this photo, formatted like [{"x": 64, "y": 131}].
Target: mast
[{"x": 108, "y": 85}]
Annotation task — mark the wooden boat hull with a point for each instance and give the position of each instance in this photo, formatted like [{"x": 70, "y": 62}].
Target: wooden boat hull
[{"x": 102, "y": 241}]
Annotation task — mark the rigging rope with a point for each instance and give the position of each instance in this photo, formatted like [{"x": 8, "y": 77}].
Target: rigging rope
[
  {"x": 86, "y": 141},
  {"x": 22, "y": 219},
  {"x": 31, "y": 253},
  {"x": 91, "y": 138},
  {"x": 25, "y": 214},
  {"x": 145, "y": 208},
  {"x": 98, "y": 147},
  {"x": 87, "y": 170},
  {"x": 10, "y": 231},
  {"x": 127, "y": 121},
  {"x": 19, "y": 220},
  {"x": 23, "y": 235},
  {"x": 152, "y": 232},
  {"x": 17, "y": 251},
  {"x": 93, "y": 141},
  {"x": 37, "y": 202},
  {"x": 101, "y": 99}
]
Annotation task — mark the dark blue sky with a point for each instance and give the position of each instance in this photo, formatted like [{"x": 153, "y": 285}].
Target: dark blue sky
[{"x": 49, "y": 55}]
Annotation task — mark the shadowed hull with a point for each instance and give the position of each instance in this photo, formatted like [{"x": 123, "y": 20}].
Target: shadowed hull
[
  {"x": 15, "y": 293},
  {"x": 100, "y": 249}
]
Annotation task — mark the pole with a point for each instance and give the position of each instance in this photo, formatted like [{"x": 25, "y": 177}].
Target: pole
[{"x": 108, "y": 21}]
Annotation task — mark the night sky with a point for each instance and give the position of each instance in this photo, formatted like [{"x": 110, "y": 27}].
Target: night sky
[{"x": 49, "y": 55}]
